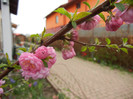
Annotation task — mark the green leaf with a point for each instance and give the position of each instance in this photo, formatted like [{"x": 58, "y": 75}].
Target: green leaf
[
  {"x": 92, "y": 48},
  {"x": 18, "y": 54},
  {"x": 97, "y": 41},
  {"x": 108, "y": 41},
  {"x": 130, "y": 2},
  {"x": 124, "y": 41},
  {"x": 81, "y": 15},
  {"x": 128, "y": 46},
  {"x": 83, "y": 48},
  {"x": 114, "y": 46},
  {"x": 48, "y": 34},
  {"x": 30, "y": 49},
  {"x": 64, "y": 12},
  {"x": 124, "y": 50},
  {"x": 3, "y": 65},
  {"x": 35, "y": 35},
  {"x": 17, "y": 67},
  {"x": 45, "y": 63},
  {"x": 102, "y": 16},
  {"x": 74, "y": 24},
  {"x": 23, "y": 49},
  {"x": 43, "y": 32},
  {"x": 61, "y": 96},
  {"x": 74, "y": 15},
  {"x": 96, "y": 3},
  {"x": 86, "y": 3},
  {"x": 8, "y": 61},
  {"x": 120, "y": 6}
]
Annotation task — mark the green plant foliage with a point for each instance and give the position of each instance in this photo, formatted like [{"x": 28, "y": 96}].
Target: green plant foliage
[
  {"x": 86, "y": 3},
  {"x": 3, "y": 65},
  {"x": 35, "y": 35},
  {"x": 114, "y": 46},
  {"x": 43, "y": 32},
  {"x": 130, "y": 2},
  {"x": 97, "y": 42},
  {"x": 17, "y": 67},
  {"x": 92, "y": 48},
  {"x": 74, "y": 24},
  {"x": 8, "y": 60},
  {"x": 81, "y": 15},
  {"x": 120, "y": 6},
  {"x": 96, "y": 3},
  {"x": 62, "y": 96},
  {"x": 128, "y": 46},
  {"x": 45, "y": 63},
  {"x": 124, "y": 50},
  {"x": 48, "y": 35},
  {"x": 108, "y": 41},
  {"x": 23, "y": 49},
  {"x": 64, "y": 12},
  {"x": 83, "y": 48},
  {"x": 18, "y": 54},
  {"x": 74, "y": 15},
  {"x": 124, "y": 41},
  {"x": 102, "y": 16}
]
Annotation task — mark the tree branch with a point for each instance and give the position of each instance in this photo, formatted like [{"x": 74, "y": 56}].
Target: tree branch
[{"x": 105, "y": 6}]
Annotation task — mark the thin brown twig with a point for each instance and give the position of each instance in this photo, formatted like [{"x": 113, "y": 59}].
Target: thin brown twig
[{"x": 87, "y": 44}]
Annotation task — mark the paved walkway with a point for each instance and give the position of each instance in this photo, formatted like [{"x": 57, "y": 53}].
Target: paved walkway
[{"x": 81, "y": 79}]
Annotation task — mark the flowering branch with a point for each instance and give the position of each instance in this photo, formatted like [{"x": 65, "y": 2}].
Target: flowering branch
[
  {"x": 86, "y": 44},
  {"x": 105, "y": 6}
]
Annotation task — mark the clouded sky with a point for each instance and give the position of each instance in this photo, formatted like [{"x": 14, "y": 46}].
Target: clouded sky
[{"x": 31, "y": 14}]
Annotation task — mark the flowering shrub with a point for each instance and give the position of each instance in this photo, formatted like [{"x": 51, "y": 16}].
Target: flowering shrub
[{"x": 38, "y": 63}]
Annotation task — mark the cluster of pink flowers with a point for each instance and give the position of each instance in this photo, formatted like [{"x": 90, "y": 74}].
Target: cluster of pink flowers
[
  {"x": 120, "y": 17},
  {"x": 32, "y": 64},
  {"x": 1, "y": 83},
  {"x": 113, "y": 24},
  {"x": 68, "y": 51},
  {"x": 90, "y": 24},
  {"x": 126, "y": 15}
]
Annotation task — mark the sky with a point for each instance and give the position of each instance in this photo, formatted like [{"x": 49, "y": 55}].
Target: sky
[{"x": 31, "y": 15}]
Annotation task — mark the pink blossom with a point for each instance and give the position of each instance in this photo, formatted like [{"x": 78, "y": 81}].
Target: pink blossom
[
  {"x": 74, "y": 34},
  {"x": 30, "y": 85},
  {"x": 68, "y": 53},
  {"x": 41, "y": 52},
  {"x": 31, "y": 66},
  {"x": 1, "y": 91},
  {"x": 29, "y": 62},
  {"x": 90, "y": 24},
  {"x": 126, "y": 15},
  {"x": 114, "y": 24},
  {"x": 2, "y": 82},
  {"x": 43, "y": 73},
  {"x": 52, "y": 55},
  {"x": 71, "y": 43}
]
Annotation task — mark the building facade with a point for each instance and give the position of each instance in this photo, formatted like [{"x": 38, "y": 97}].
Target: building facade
[{"x": 55, "y": 21}]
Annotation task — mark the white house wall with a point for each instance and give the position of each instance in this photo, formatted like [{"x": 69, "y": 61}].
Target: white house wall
[
  {"x": 0, "y": 32},
  {"x": 6, "y": 30}
]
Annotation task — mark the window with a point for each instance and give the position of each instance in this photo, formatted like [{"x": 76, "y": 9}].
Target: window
[
  {"x": 78, "y": 5},
  {"x": 57, "y": 19}
]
